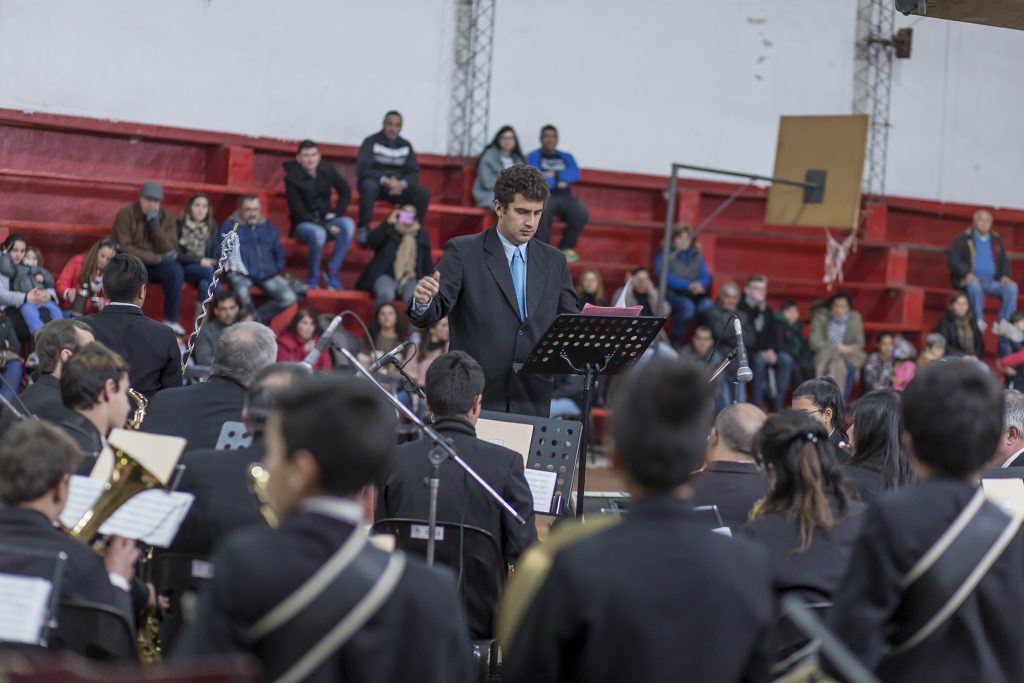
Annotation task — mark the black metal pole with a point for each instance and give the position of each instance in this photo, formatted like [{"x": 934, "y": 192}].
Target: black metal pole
[
  {"x": 437, "y": 456},
  {"x": 581, "y": 472}
]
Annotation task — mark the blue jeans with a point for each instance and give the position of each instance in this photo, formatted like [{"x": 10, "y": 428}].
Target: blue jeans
[
  {"x": 12, "y": 379},
  {"x": 30, "y": 312},
  {"x": 279, "y": 294},
  {"x": 979, "y": 287},
  {"x": 685, "y": 309},
  {"x": 170, "y": 276},
  {"x": 200, "y": 276},
  {"x": 725, "y": 400},
  {"x": 315, "y": 237},
  {"x": 783, "y": 377}
]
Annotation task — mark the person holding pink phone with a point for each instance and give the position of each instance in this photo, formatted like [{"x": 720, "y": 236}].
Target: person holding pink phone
[{"x": 401, "y": 257}]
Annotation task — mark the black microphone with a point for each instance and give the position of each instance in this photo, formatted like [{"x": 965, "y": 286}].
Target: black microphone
[
  {"x": 743, "y": 373},
  {"x": 390, "y": 357},
  {"x": 325, "y": 340}
]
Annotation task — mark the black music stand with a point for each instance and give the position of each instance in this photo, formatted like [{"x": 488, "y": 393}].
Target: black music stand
[{"x": 590, "y": 345}]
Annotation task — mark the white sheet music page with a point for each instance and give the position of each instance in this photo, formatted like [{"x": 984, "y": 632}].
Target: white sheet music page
[
  {"x": 82, "y": 495},
  {"x": 542, "y": 486},
  {"x": 153, "y": 517},
  {"x": 25, "y": 601}
]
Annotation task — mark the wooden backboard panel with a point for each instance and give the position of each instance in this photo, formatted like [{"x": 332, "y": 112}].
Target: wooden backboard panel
[
  {"x": 835, "y": 144},
  {"x": 1004, "y": 13}
]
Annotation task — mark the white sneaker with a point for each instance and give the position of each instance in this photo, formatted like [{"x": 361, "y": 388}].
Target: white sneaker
[
  {"x": 1004, "y": 328},
  {"x": 175, "y": 327},
  {"x": 981, "y": 324}
]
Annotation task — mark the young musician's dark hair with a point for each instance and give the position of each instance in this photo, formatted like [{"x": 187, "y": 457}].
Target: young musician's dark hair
[
  {"x": 54, "y": 337},
  {"x": 266, "y": 388},
  {"x": 346, "y": 425},
  {"x": 84, "y": 376},
  {"x": 453, "y": 381},
  {"x": 661, "y": 415},
  {"x": 806, "y": 473},
  {"x": 824, "y": 393},
  {"x": 124, "y": 277},
  {"x": 34, "y": 457},
  {"x": 305, "y": 144},
  {"x": 520, "y": 179},
  {"x": 953, "y": 412},
  {"x": 878, "y": 437}
]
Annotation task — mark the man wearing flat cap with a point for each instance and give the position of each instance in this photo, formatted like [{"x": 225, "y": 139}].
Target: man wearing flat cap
[{"x": 146, "y": 230}]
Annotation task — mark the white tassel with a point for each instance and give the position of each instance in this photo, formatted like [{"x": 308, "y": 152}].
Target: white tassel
[
  {"x": 835, "y": 256},
  {"x": 230, "y": 261}
]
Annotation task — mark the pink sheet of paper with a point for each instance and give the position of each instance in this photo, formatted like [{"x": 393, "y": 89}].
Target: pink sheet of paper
[{"x": 590, "y": 309}]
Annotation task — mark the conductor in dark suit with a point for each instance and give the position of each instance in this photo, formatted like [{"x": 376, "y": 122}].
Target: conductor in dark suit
[
  {"x": 501, "y": 290},
  {"x": 199, "y": 411},
  {"x": 36, "y": 460},
  {"x": 656, "y": 597},
  {"x": 149, "y": 347},
  {"x": 326, "y": 441},
  {"x": 455, "y": 383}
]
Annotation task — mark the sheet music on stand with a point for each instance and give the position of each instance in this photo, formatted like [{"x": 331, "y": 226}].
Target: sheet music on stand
[
  {"x": 30, "y": 584},
  {"x": 153, "y": 516}
]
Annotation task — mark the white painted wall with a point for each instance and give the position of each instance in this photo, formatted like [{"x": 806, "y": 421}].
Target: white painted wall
[{"x": 632, "y": 85}]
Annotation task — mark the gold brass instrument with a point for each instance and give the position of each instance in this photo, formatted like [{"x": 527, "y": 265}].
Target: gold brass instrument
[
  {"x": 141, "y": 403},
  {"x": 259, "y": 479}
]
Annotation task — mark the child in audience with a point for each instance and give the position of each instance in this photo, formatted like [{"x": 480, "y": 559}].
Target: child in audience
[
  {"x": 299, "y": 338},
  {"x": 590, "y": 288},
  {"x": 807, "y": 523},
  {"x": 80, "y": 284},
  {"x": 25, "y": 286},
  {"x": 822, "y": 399},
  {"x": 880, "y": 365},
  {"x": 934, "y": 349},
  {"x": 934, "y": 589},
  {"x": 791, "y": 329}
]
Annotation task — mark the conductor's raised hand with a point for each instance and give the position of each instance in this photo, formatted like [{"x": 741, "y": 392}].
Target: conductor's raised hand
[{"x": 427, "y": 288}]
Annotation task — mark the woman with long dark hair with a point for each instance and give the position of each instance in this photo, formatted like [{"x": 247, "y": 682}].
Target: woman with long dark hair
[
  {"x": 500, "y": 154},
  {"x": 960, "y": 328},
  {"x": 807, "y": 522},
  {"x": 879, "y": 461},
  {"x": 823, "y": 400},
  {"x": 80, "y": 284},
  {"x": 299, "y": 338}
]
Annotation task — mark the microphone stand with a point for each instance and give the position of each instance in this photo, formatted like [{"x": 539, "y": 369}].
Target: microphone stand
[
  {"x": 410, "y": 381},
  {"x": 721, "y": 368},
  {"x": 442, "y": 450}
]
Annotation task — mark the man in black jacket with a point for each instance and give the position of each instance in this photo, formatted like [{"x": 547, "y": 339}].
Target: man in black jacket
[
  {"x": 500, "y": 290},
  {"x": 656, "y": 597},
  {"x": 326, "y": 441},
  {"x": 454, "y": 388},
  {"x": 151, "y": 349},
  {"x": 35, "y": 463},
  {"x": 388, "y": 169},
  {"x": 308, "y": 182},
  {"x": 731, "y": 478},
  {"x": 401, "y": 257},
  {"x": 978, "y": 264},
  {"x": 204, "y": 413},
  {"x": 767, "y": 351}
]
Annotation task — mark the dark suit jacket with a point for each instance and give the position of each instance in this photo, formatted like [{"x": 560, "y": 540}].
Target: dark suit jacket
[
  {"x": 86, "y": 436},
  {"x": 418, "y": 634},
  {"x": 85, "y": 576},
  {"x": 814, "y": 573},
  {"x": 196, "y": 412},
  {"x": 980, "y": 641},
  {"x": 218, "y": 480},
  {"x": 462, "y": 501},
  {"x": 42, "y": 399},
  {"x": 149, "y": 347},
  {"x": 657, "y": 597},
  {"x": 867, "y": 482},
  {"x": 479, "y": 299},
  {"x": 733, "y": 486}
]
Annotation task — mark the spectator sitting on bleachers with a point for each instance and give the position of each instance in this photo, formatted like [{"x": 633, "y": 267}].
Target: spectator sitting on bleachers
[
  {"x": 689, "y": 282},
  {"x": 562, "y": 173},
  {"x": 590, "y": 288},
  {"x": 1012, "y": 341},
  {"x": 401, "y": 257},
  {"x": 767, "y": 351},
  {"x": 718, "y": 318},
  {"x": 226, "y": 307},
  {"x": 701, "y": 349},
  {"x": 80, "y": 284},
  {"x": 259, "y": 246},
  {"x": 934, "y": 349},
  {"x": 146, "y": 230},
  {"x": 433, "y": 346},
  {"x": 389, "y": 328},
  {"x": 502, "y": 153},
  {"x": 837, "y": 340},
  {"x": 978, "y": 264},
  {"x": 24, "y": 286},
  {"x": 198, "y": 244},
  {"x": 387, "y": 169},
  {"x": 298, "y": 339},
  {"x": 880, "y": 364},
  {"x": 308, "y": 182},
  {"x": 960, "y": 328},
  {"x": 640, "y": 290}
]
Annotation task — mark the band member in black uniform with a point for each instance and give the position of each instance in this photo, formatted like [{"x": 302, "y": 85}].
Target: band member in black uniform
[
  {"x": 934, "y": 591},
  {"x": 368, "y": 615},
  {"x": 657, "y": 597},
  {"x": 822, "y": 399}
]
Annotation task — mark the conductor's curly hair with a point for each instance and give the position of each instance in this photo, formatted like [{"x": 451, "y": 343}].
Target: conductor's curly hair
[{"x": 520, "y": 179}]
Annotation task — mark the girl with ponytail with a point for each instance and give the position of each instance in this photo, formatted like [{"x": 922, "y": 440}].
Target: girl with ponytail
[{"x": 807, "y": 522}]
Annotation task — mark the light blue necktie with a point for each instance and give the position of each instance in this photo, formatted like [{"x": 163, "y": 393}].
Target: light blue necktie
[{"x": 519, "y": 281}]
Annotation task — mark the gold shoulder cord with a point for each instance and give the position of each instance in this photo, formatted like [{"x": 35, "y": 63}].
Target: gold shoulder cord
[{"x": 532, "y": 570}]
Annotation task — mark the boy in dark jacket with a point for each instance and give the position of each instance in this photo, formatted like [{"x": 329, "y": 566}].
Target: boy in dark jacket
[
  {"x": 261, "y": 251},
  {"x": 308, "y": 182},
  {"x": 388, "y": 169},
  {"x": 978, "y": 264}
]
